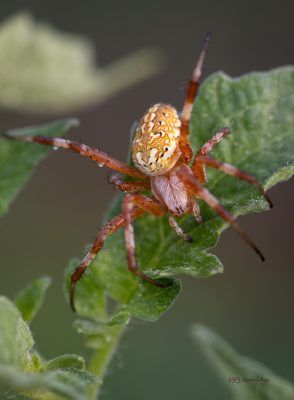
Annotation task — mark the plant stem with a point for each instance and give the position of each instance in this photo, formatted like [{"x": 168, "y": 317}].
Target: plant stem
[{"x": 102, "y": 357}]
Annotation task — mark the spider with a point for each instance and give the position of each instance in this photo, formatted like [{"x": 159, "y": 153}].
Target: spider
[{"x": 165, "y": 165}]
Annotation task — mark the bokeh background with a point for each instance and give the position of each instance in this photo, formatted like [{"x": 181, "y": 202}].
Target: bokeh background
[{"x": 61, "y": 209}]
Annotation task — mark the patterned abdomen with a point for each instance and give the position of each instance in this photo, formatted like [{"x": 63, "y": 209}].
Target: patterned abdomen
[{"x": 156, "y": 142}]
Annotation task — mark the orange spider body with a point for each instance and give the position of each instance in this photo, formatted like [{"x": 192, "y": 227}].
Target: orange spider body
[
  {"x": 156, "y": 151},
  {"x": 156, "y": 142}
]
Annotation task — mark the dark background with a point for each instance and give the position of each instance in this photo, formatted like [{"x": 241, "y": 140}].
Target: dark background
[{"x": 60, "y": 209}]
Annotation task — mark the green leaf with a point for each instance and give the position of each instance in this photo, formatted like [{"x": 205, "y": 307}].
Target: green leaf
[
  {"x": 22, "y": 369},
  {"x": 55, "y": 385},
  {"x": 30, "y": 299},
  {"x": 90, "y": 327},
  {"x": 45, "y": 70},
  {"x": 256, "y": 382},
  {"x": 66, "y": 361},
  {"x": 16, "y": 340},
  {"x": 258, "y": 108},
  {"x": 139, "y": 299},
  {"x": 18, "y": 160}
]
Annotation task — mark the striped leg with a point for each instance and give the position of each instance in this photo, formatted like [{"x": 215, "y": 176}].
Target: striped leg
[
  {"x": 111, "y": 227},
  {"x": 179, "y": 231},
  {"x": 98, "y": 156},
  {"x": 198, "y": 190},
  {"x": 129, "y": 187},
  {"x": 198, "y": 167},
  {"x": 196, "y": 211},
  {"x": 192, "y": 92},
  {"x": 148, "y": 205},
  {"x": 231, "y": 170}
]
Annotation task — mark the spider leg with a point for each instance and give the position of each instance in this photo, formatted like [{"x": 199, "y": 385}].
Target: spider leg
[
  {"x": 196, "y": 211},
  {"x": 192, "y": 92},
  {"x": 231, "y": 170},
  {"x": 98, "y": 156},
  {"x": 179, "y": 231},
  {"x": 198, "y": 167},
  {"x": 149, "y": 205},
  {"x": 129, "y": 187},
  {"x": 112, "y": 226},
  {"x": 198, "y": 190}
]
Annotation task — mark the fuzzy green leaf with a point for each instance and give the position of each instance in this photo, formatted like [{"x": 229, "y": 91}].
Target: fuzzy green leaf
[
  {"x": 258, "y": 108},
  {"x": 90, "y": 327},
  {"x": 16, "y": 340},
  {"x": 254, "y": 380},
  {"x": 21, "y": 369},
  {"x": 66, "y": 361},
  {"x": 45, "y": 70},
  {"x": 54, "y": 385},
  {"x": 18, "y": 160},
  {"x": 30, "y": 299}
]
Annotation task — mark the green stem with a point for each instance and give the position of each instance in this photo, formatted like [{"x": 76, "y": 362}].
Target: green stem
[{"x": 102, "y": 357}]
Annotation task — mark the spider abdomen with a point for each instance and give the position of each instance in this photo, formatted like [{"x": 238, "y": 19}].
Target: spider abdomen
[{"x": 156, "y": 142}]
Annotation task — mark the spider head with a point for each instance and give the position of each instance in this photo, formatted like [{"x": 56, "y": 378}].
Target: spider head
[{"x": 156, "y": 141}]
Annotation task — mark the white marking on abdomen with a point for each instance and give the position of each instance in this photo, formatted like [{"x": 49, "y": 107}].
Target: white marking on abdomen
[{"x": 153, "y": 153}]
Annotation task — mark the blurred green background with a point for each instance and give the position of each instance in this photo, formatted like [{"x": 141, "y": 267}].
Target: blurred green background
[{"x": 60, "y": 209}]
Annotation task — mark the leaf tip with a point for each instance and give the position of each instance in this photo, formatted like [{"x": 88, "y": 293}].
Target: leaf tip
[{"x": 200, "y": 332}]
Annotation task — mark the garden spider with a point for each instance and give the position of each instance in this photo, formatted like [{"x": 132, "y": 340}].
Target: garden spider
[{"x": 165, "y": 165}]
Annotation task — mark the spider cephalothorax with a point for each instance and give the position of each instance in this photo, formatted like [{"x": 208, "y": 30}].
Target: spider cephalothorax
[{"x": 163, "y": 164}]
